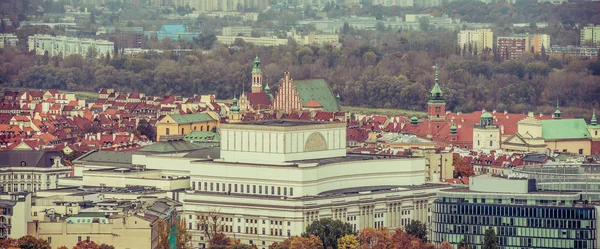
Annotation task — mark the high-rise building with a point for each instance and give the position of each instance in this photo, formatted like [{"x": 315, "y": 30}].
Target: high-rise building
[
  {"x": 521, "y": 216},
  {"x": 399, "y": 3},
  {"x": 224, "y": 5},
  {"x": 590, "y": 35},
  {"x": 511, "y": 47},
  {"x": 479, "y": 39}
]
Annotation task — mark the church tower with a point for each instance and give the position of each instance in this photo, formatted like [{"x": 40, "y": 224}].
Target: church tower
[
  {"x": 436, "y": 107},
  {"x": 256, "y": 76},
  {"x": 235, "y": 115}
]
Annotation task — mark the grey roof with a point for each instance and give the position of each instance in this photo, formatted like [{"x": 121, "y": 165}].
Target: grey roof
[
  {"x": 105, "y": 157},
  {"x": 30, "y": 158},
  {"x": 210, "y": 152},
  {"x": 7, "y": 203},
  {"x": 172, "y": 146},
  {"x": 282, "y": 122},
  {"x": 534, "y": 158}
]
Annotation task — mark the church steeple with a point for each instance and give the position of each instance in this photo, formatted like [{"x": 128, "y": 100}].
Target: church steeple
[
  {"x": 436, "y": 105},
  {"x": 593, "y": 121},
  {"x": 256, "y": 76},
  {"x": 557, "y": 113}
]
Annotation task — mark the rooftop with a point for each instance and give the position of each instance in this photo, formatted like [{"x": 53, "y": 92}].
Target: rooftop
[{"x": 283, "y": 123}]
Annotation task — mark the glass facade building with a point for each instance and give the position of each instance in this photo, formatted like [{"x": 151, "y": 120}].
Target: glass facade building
[{"x": 537, "y": 219}]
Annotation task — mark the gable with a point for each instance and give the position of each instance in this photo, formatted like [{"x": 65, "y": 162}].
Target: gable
[
  {"x": 319, "y": 90},
  {"x": 515, "y": 139}
]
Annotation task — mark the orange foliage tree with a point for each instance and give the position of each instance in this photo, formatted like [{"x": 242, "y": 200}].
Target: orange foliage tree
[
  {"x": 381, "y": 238},
  {"x": 461, "y": 168},
  {"x": 299, "y": 242},
  {"x": 86, "y": 244}
]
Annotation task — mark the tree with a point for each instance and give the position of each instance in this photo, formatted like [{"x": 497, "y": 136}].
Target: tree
[
  {"x": 461, "y": 168},
  {"x": 298, "y": 242},
  {"x": 105, "y": 246},
  {"x": 348, "y": 241},
  {"x": 164, "y": 230},
  {"x": 210, "y": 224},
  {"x": 182, "y": 236},
  {"x": 146, "y": 129},
  {"x": 86, "y": 244},
  {"x": 490, "y": 241},
  {"x": 463, "y": 244},
  {"x": 91, "y": 53},
  {"x": 329, "y": 231},
  {"x": 417, "y": 229},
  {"x": 371, "y": 238},
  {"x": 62, "y": 247},
  {"x": 30, "y": 242},
  {"x": 219, "y": 240},
  {"x": 445, "y": 245},
  {"x": 424, "y": 24},
  {"x": 8, "y": 243}
]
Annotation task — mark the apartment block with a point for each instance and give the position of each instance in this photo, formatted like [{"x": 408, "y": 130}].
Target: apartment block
[
  {"x": 260, "y": 41},
  {"x": 590, "y": 35},
  {"x": 511, "y": 47},
  {"x": 399, "y": 3},
  {"x": 64, "y": 46},
  {"x": 221, "y": 5},
  {"x": 237, "y": 30},
  {"x": 479, "y": 38}
]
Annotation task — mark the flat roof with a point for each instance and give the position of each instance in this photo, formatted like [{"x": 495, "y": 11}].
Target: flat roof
[
  {"x": 350, "y": 157},
  {"x": 467, "y": 190},
  {"x": 283, "y": 123}
]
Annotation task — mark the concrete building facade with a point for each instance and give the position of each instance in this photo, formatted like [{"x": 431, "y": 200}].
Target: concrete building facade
[{"x": 65, "y": 46}]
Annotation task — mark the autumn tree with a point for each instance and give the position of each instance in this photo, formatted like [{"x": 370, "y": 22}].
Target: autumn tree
[
  {"x": 371, "y": 238},
  {"x": 86, "y": 244},
  {"x": 348, "y": 241},
  {"x": 329, "y": 231},
  {"x": 105, "y": 246},
  {"x": 490, "y": 241},
  {"x": 164, "y": 231},
  {"x": 9, "y": 243},
  {"x": 445, "y": 245},
  {"x": 30, "y": 242},
  {"x": 461, "y": 168},
  {"x": 182, "y": 236},
  {"x": 62, "y": 247},
  {"x": 299, "y": 242}
]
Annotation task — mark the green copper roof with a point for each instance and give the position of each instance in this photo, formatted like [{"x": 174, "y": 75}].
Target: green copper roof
[
  {"x": 319, "y": 90},
  {"x": 562, "y": 129},
  {"x": 171, "y": 147},
  {"x": 486, "y": 115},
  {"x": 267, "y": 88},
  {"x": 593, "y": 121},
  {"x": 256, "y": 66},
  {"x": 436, "y": 89},
  {"x": 203, "y": 136},
  {"x": 453, "y": 128},
  {"x": 235, "y": 107},
  {"x": 191, "y": 118}
]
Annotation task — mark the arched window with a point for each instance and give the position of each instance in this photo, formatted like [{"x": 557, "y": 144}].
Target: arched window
[
  {"x": 208, "y": 128},
  {"x": 182, "y": 130},
  {"x": 23, "y": 163},
  {"x": 491, "y": 143},
  {"x": 194, "y": 127},
  {"x": 168, "y": 131}
]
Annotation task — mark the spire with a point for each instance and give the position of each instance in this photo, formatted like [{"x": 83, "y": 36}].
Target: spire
[
  {"x": 594, "y": 121},
  {"x": 557, "y": 113},
  {"x": 436, "y": 91},
  {"x": 256, "y": 76}
]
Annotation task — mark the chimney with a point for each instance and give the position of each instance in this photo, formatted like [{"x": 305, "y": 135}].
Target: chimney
[
  {"x": 114, "y": 136},
  {"x": 98, "y": 136}
]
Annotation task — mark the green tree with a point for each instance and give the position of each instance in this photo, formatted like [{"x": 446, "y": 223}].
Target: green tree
[
  {"x": 490, "y": 241},
  {"x": 146, "y": 129},
  {"x": 91, "y": 53},
  {"x": 329, "y": 231},
  {"x": 417, "y": 229},
  {"x": 424, "y": 23}
]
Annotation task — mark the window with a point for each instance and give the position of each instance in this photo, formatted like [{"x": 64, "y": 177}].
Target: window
[
  {"x": 50, "y": 240},
  {"x": 291, "y": 191},
  {"x": 235, "y": 188},
  {"x": 182, "y": 131},
  {"x": 278, "y": 190},
  {"x": 78, "y": 238},
  {"x": 580, "y": 151},
  {"x": 168, "y": 131},
  {"x": 491, "y": 143}
]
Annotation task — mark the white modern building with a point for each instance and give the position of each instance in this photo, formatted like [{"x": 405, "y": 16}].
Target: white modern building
[
  {"x": 479, "y": 39},
  {"x": 65, "y": 46},
  {"x": 258, "y": 41},
  {"x": 274, "y": 178}
]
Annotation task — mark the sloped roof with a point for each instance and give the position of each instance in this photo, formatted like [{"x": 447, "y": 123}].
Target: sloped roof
[
  {"x": 175, "y": 146},
  {"x": 192, "y": 118},
  {"x": 171, "y": 29},
  {"x": 32, "y": 158},
  {"x": 559, "y": 129},
  {"x": 105, "y": 157},
  {"x": 313, "y": 104},
  {"x": 319, "y": 90},
  {"x": 259, "y": 100},
  {"x": 203, "y": 136}
]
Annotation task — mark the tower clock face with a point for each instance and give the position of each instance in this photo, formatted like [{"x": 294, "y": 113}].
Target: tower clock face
[{"x": 437, "y": 109}]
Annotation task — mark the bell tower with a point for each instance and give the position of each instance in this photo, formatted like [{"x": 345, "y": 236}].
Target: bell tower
[
  {"x": 436, "y": 108},
  {"x": 256, "y": 76}
]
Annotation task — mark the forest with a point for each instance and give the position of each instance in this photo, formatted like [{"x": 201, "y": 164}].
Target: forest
[{"x": 368, "y": 76}]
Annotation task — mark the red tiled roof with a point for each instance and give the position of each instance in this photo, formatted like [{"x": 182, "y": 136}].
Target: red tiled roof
[
  {"x": 312, "y": 104},
  {"x": 259, "y": 100}
]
